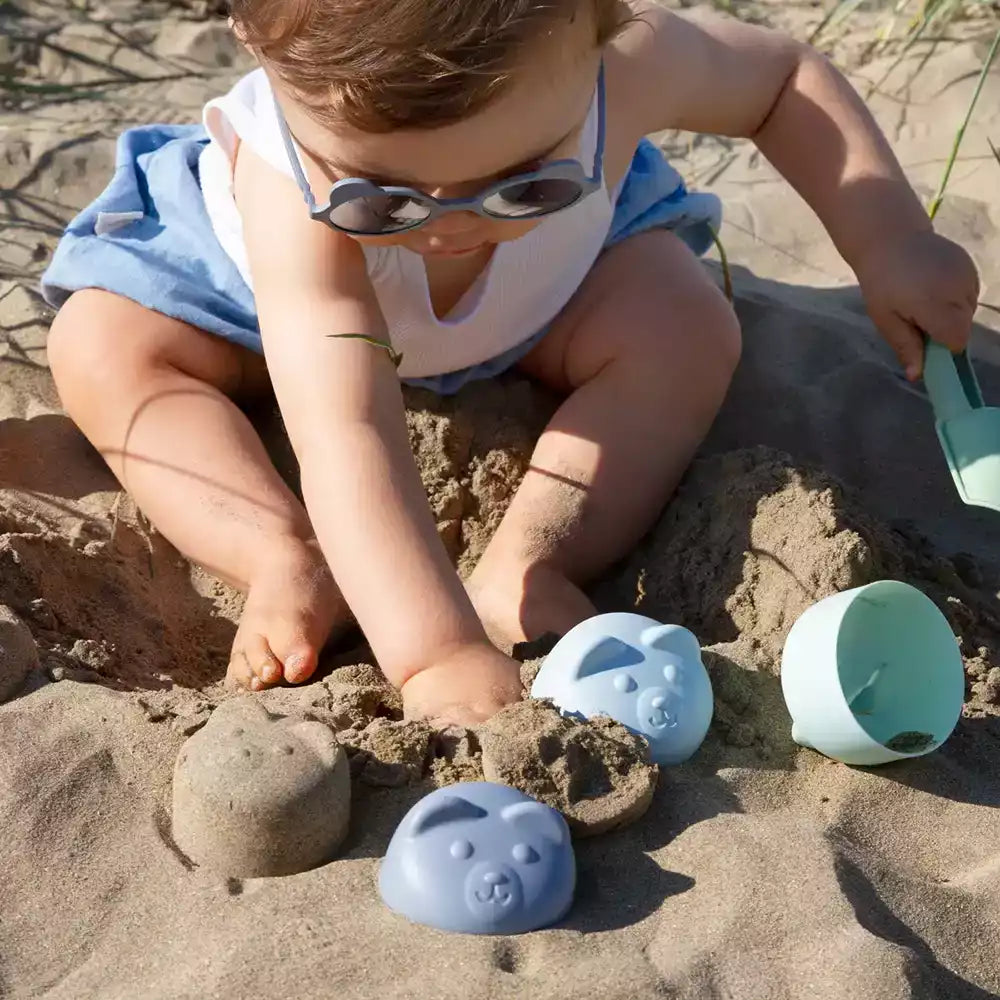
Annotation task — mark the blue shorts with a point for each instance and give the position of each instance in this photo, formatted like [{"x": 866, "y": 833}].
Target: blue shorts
[{"x": 148, "y": 238}]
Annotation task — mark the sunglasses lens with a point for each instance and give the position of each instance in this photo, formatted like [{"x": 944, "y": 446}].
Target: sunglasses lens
[
  {"x": 378, "y": 214},
  {"x": 527, "y": 199}
]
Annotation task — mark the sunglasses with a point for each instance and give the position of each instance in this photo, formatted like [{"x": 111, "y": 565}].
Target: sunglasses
[{"x": 362, "y": 208}]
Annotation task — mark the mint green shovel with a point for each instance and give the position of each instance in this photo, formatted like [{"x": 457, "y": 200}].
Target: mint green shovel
[{"x": 969, "y": 430}]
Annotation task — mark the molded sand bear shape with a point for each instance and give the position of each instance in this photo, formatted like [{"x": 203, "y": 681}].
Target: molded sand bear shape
[
  {"x": 480, "y": 858},
  {"x": 256, "y": 794},
  {"x": 645, "y": 675}
]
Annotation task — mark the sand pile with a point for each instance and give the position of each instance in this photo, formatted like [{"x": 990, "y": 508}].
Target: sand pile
[
  {"x": 751, "y": 542},
  {"x": 597, "y": 774},
  {"x": 18, "y": 654}
]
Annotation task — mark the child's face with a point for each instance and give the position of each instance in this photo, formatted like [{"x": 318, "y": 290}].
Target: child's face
[{"x": 539, "y": 118}]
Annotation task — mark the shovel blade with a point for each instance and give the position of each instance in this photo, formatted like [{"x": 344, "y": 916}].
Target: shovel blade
[{"x": 971, "y": 444}]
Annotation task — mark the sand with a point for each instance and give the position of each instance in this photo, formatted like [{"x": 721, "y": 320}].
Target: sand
[
  {"x": 596, "y": 773},
  {"x": 758, "y": 871},
  {"x": 256, "y": 794}
]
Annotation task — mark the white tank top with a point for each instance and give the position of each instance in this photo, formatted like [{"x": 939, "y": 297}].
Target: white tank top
[{"x": 526, "y": 283}]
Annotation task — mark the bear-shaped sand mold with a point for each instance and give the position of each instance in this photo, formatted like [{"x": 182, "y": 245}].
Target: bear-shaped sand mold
[
  {"x": 257, "y": 794},
  {"x": 480, "y": 858},
  {"x": 643, "y": 674}
]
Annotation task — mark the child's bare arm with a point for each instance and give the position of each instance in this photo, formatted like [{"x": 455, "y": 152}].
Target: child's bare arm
[
  {"x": 725, "y": 77},
  {"x": 343, "y": 410},
  {"x": 721, "y": 76}
]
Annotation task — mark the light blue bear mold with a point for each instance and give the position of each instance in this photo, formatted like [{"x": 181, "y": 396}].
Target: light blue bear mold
[
  {"x": 645, "y": 675},
  {"x": 480, "y": 858}
]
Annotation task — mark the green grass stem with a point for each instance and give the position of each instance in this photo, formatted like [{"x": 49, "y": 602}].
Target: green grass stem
[
  {"x": 960, "y": 135},
  {"x": 394, "y": 356},
  {"x": 727, "y": 276}
]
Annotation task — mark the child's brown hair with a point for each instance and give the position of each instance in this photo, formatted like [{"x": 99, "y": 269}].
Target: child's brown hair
[{"x": 378, "y": 65}]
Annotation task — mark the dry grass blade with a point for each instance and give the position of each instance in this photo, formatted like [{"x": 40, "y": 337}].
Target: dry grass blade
[
  {"x": 834, "y": 16},
  {"x": 930, "y": 13},
  {"x": 888, "y": 29},
  {"x": 916, "y": 30},
  {"x": 960, "y": 135}
]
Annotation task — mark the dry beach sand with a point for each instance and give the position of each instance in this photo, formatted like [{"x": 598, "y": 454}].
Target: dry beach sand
[{"x": 757, "y": 871}]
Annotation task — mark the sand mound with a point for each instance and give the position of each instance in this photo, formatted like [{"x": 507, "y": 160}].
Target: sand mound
[
  {"x": 597, "y": 774},
  {"x": 472, "y": 457},
  {"x": 118, "y": 606},
  {"x": 752, "y": 541},
  {"x": 18, "y": 653}
]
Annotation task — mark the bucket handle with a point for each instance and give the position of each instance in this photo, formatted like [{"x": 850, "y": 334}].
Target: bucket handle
[{"x": 951, "y": 382}]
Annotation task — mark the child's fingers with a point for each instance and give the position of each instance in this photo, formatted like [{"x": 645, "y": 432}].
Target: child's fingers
[
  {"x": 906, "y": 341},
  {"x": 948, "y": 324}
]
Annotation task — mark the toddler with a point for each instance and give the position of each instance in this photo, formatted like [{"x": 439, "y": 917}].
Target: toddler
[{"x": 433, "y": 192}]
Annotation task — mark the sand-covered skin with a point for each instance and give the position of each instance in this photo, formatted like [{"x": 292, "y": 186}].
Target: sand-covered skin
[{"x": 758, "y": 871}]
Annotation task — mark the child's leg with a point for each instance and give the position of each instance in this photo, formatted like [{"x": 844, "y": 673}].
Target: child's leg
[
  {"x": 152, "y": 395},
  {"x": 647, "y": 349}
]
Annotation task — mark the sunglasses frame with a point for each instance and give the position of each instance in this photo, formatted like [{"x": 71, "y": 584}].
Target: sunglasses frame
[{"x": 351, "y": 188}]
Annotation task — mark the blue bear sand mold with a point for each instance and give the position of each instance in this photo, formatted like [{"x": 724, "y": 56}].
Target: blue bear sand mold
[
  {"x": 643, "y": 674},
  {"x": 480, "y": 858}
]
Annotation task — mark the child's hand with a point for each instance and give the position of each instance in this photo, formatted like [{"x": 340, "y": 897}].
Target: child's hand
[
  {"x": 473, "y": 684},
  {"x": 922, "y": 283}
]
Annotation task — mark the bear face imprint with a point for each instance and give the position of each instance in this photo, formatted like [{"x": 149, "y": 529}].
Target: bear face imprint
[
  {"x": 490, "y": 860},
  {"x": 493, "y": 891}
]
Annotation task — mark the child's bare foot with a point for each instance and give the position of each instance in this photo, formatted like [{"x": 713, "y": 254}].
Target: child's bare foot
[
  {"x": 518, "y": 604},
  {"x": 292, "y": 605}
]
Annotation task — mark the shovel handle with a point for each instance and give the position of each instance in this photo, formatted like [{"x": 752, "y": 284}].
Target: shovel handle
[{"x": 951, "y": 382}]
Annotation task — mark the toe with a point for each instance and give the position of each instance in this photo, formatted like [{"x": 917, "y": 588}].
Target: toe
[
  {"x": 238, "y": 671},
  {"x": 291, "y": 606},
  {"x": 300, "y": 658},
  {"x": 264, "y": 666},
  {"x": 295, "y": 641}
]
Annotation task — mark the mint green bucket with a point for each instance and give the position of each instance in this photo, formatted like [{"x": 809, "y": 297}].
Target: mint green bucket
[
  {"x": 968, "y": 430},
  {"x": 873, "y": 675}
]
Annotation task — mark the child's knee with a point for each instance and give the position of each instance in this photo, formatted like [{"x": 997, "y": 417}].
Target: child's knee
[
  {"x": 102, "y": 348},
  {"x": 693, "y": 331},
  {"x": 81, "y": 350}
]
